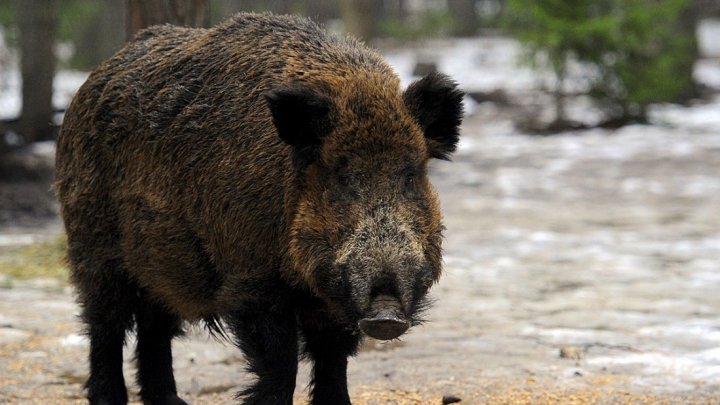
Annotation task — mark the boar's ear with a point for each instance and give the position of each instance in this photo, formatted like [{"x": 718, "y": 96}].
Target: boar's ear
[
  {"x": 436, "y": 104},
  {"x": 301, "y": 117}
]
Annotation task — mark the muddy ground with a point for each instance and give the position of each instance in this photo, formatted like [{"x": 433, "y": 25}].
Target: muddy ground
[{"x": 579, "y": 269}]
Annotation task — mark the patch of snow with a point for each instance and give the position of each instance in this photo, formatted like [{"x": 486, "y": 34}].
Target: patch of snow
[
  {"x": 73, "y": 340},
  {"x": 695, "y": 329},
  {"x": 46, "y": 148},
  {"x": 543, "y": 236},
  {"x": 701, "y": 279},
  {"x": 712, "y": 355},
  {"x": 708, "y": 32},
  {"x": 707, "y": 72},
  {"x": 402, "y": 60},
  {"x": 17, "y": 240},
  {"x": 11, "y": 335},
  {"x": 484, "y": 63},
  {"x": 469, "y": 105},
  {"x": 10, "y": 96},
  {"x": 700, "y": 186},
  {"x": 655, "y": 363},
  {"x": 468, "y": 144},
  {"x": 702, "y": 118},
  {"x": 65, "y": 85},
  {"x": 569, "y": 335}
]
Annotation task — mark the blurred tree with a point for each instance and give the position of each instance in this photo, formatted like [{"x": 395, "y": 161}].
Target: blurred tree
[
  {"x": 650, "y": 59},
  {"x": 400, "y": 22},
  {"x": 222, "y": 9},
  {"x": 38, "y": 24},
  {"x": 554, "y": 31},
  {"x": 319, "y": 10},
  {"x": 322, "y": 10},
  {"x": 361, "y": 17},
  {"x": 229, "y": 7},
  {"x": 395, "y": 10},
  {"x": 642, "y": 50},
  {"x": 145, "y": 13},
  {"x": 465, "y": 17},
  {"x": 94, "y": 28}
]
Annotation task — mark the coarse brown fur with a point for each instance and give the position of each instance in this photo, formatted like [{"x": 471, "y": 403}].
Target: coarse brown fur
[{"x": 261, "y": 172}]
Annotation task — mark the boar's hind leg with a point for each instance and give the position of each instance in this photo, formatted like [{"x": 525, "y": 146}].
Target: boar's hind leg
[
  {"x": 328, "y": 345},
  {"x": 155, "y": 329},
  {"x": 107, "y": 299},
  {"x": 267, "y": 335}
]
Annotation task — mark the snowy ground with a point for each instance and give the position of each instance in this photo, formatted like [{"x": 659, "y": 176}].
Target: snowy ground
[{"x": 602, "y": 245}]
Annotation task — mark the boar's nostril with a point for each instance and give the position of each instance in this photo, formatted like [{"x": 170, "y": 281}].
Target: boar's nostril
[
  {"x": 385, "y": 320},
  {"x": 384, "y": 328}
]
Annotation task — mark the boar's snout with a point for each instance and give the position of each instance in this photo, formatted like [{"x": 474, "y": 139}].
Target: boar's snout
[{"x": 385, "y": 320}]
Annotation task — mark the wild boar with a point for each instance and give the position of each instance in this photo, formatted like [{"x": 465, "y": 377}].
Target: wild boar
[{"x": 262, "y": 176}]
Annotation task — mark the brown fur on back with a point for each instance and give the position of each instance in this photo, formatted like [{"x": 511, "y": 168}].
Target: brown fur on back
[{"x": 169, "y": 163}]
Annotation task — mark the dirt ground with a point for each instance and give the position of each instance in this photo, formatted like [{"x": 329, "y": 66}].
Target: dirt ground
[{"x": 579, "y": 270}]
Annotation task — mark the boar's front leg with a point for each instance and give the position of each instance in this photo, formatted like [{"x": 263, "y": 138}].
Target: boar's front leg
[
  {"x": 266, "y": 332},
  {"x": 328, "y": 344},
  {"x": 155, "y": 329}
]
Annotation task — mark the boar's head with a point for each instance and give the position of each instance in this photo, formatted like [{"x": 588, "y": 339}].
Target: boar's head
[{"x": 366, "y": 231}]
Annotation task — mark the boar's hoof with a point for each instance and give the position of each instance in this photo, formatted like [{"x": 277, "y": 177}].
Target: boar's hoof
[{"x": 386, "y": 320}]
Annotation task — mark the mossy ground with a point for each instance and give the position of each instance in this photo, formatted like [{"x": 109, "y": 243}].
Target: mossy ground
[{"x": 39, "y": 260}]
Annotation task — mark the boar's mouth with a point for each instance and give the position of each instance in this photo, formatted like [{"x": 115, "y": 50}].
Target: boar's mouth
[{"x": 385, "y": 320}]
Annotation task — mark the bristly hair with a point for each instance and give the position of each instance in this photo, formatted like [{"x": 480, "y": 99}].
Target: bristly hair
[
  {"x": 419, "y": 309},
  {"x": 215, "y": 327}
]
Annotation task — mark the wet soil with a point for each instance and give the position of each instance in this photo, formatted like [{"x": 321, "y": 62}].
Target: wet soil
[{"x": 579, "y": 270}]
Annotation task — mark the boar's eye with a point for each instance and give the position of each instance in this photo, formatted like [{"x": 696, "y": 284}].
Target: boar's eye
[
  {"x": 343, "y": 180},
  {"x": 410, "y": 180},
  {"x": 410, "y": 183}
]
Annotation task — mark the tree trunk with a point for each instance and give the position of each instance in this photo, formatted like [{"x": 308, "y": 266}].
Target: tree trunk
[
  {"x": 465, "y": 17},
  {"x": 558, "y": 93},
  {"x": 102, "y": 37},
  {"x": 38, "y": 23},
  {"x": 687, "y": 27},
  {"x": 223, "y": 9},
  {"x": 146, "y": 13},
  {"x": 322, "y": 10},
  {"x": 360, "y": 17}
]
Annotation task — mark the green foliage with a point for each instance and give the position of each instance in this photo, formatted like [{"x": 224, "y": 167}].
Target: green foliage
[
  {"x": 429, "y": 24},
  {"x": 75, "y": 19},
  {"x": 7, "y": 13},
  {"x": 640, "y": 49},
  {"x": 75, "y": 15},
  {"x": 7, "y": 21},
  {"x": 652, "y": 59},
  {"x": 559, "y": 28}
]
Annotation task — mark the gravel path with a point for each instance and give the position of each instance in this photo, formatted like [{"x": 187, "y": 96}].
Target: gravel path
[{"x": 579, "y": 269}]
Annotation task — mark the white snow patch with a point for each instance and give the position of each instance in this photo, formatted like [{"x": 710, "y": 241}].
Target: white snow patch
[
  {"x": 468, "y": 144},
  {"x": 482, "y": 63},
  {"x": 655, "y": 363},
  {"x": 702, "y": 329},
  {"x": 17, "y": 240},
  {"x": 708, "y": 32},
  {"x": 73, "y": 340},
  {"x": 45, "y": 148},
  {"x": 65, "y": 85},
  {"x": 700, "y": 186},
  {"x": 707, "y": 72},
  {"x": 704, "y": 279},
  {"x": 703, "y": 118}
]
